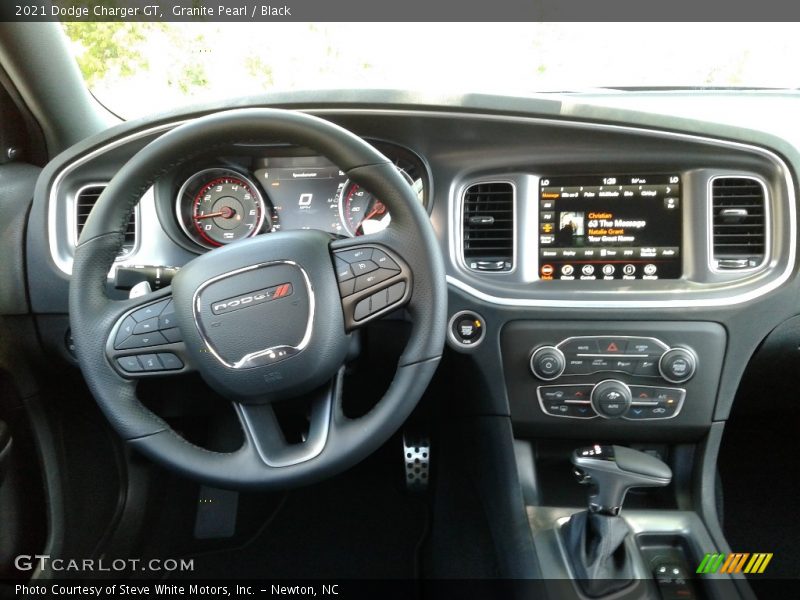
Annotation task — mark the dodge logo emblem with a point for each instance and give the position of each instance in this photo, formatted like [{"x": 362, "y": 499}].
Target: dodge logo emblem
[{"x": 252, "y": 298}]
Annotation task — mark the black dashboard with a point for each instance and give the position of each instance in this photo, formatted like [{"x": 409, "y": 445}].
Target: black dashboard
[{"x": 613, "y": 231}]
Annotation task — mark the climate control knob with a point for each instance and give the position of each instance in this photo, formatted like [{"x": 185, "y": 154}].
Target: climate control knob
[
  {"x": 611, "y": 398},
  {"x": 548, "y": 363},
  {"x": 677, "y": 365}
]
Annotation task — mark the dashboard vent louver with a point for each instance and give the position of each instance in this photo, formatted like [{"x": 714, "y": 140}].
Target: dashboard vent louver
[
  {"x": 488, "y": 226},
  {"x": 739, "y": 222},
  {"x": 85, "y": 200}
]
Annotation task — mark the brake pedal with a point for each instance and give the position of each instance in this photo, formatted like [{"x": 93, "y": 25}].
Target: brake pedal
[{"x": 417, "y": 457}]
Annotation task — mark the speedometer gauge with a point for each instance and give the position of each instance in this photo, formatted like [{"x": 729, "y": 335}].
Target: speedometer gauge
[
  {"x": 219, "y": 206},
  {"x": 361, "y": 213}
]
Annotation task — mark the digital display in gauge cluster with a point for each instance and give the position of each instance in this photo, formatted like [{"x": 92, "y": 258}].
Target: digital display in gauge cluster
[
  {"x": 610, "y": 227},
  {"x": 303, "y": 196}
]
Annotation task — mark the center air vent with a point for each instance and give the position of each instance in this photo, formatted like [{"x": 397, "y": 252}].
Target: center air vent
[
  {"x": 739, "y": 221},
  {"x": 85, "y": 200},
  {"x": 488, "y": 226}
]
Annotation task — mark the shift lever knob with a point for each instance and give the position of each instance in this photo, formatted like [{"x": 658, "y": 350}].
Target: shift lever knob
[{"x": 613, "y": 470}]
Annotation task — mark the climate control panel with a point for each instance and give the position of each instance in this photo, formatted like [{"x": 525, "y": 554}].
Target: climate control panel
[
  {"x": 611, "y": 399},
  {"x": 633, "y": 379},
  {"x": 639, "y": 356}
]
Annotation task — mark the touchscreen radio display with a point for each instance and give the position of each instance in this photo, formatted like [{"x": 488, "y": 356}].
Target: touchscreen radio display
[{"x": 610, "y": 227}]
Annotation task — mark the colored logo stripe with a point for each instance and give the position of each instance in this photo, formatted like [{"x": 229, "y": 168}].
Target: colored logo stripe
[{"x": 734, "y": 563}]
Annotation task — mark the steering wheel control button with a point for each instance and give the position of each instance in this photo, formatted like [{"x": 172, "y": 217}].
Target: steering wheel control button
[
  {"x": 362, "y": 310},
  {"x": 125, "y": 331},
  {"x": 395, "y": 293},
  {"x": 380, "y": 258},
  {"x": 172, "y": 335},
  {"x": 150, "y": 362},
  {"x": 347, "y": 287},
  {"x": 374, "y": 278},
  {"x": 355, "y": 255},
  {"x": 169, "y": 361},
  {"x": 167, "y": 318},
  {"x": 152, "y": 310},
  {"x": 343, "y": 270},
  {"x": 611, "y": 398},
  {"x": 142, "y": 341},
  {"x": 146, "y": 326},
  {"x": 677, "y": 365},
  {"x": 129, "y": 364},
  {"x": 466, "y": 329},
  {"x": 548, "y": 363}
]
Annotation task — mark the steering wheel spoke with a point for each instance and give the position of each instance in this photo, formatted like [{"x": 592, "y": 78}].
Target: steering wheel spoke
[
  {"x": 267, "y": 439},
  {"x": 145, "y": 340},
  {"x": 373, "y": 279}
]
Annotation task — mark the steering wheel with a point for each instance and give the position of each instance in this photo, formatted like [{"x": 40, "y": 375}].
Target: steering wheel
[{"x": 262, "y": 320}]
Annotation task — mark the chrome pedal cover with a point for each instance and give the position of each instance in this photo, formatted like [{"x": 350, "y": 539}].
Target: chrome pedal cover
[{"x": 417, "y": 458}]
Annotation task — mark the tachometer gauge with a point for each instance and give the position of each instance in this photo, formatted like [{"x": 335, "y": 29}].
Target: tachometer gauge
[
  {"x": 361, "y": 213},
  {"x": 219, "y": 206}
]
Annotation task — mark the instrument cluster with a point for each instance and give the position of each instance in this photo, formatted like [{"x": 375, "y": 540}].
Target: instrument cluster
[{"x": 234, "y": 199}]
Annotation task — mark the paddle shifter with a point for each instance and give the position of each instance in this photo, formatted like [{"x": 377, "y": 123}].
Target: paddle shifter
[{"x": 595, "y": 538}]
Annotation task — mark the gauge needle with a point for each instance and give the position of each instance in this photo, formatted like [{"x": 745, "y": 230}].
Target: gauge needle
[
  {"x": 379, "y": 209},
  {"x": 226, "y": 213}
]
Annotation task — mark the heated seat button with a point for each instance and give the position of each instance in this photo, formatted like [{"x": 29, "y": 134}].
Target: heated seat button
[{"x": 150, "y": 362}]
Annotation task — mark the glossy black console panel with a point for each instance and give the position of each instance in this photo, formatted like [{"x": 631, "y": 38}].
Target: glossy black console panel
[{"x": 676, "y": 411}]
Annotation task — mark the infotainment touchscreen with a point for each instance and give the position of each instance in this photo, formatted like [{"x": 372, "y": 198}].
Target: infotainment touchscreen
[{"x": 610, "y": 227}]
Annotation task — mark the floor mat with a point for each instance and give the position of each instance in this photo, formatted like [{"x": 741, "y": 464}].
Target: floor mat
[{"x": 759, "y": 470}]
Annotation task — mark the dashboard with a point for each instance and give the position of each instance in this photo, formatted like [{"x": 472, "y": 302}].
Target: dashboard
[{"x": 555, "y": 229}]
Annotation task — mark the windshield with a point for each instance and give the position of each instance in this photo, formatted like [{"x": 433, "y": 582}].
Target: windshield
[{"x": 140, "y": 68}]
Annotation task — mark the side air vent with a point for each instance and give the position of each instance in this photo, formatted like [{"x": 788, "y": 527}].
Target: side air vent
[
  {"x": 488, "y": 226},
  {"x": 85, "y": 200},
  {"x": 739, "y": 221}
]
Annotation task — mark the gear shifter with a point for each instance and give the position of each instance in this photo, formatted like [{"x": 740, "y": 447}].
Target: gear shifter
[
  {"x": 613, "y": 470},
  {"x": 595, "y": 538}
]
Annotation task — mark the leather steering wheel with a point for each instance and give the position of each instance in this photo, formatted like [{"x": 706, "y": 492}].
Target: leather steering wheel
[{"x": 263, "y": 320}]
